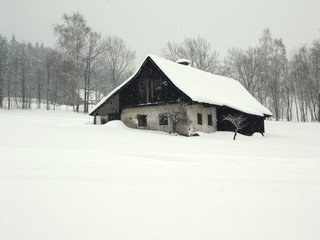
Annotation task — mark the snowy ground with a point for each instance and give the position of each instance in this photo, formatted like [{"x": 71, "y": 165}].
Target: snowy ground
[{"x": 63, "y": 178}]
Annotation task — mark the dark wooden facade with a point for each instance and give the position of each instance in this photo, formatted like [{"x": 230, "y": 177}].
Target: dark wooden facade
[
  {"x": 252, "y": 123},
  {"x": 150, "y": 86}
]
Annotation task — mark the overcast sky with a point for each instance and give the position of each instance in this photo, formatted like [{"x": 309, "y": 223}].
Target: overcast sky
[{"x": 147, "y": 25}]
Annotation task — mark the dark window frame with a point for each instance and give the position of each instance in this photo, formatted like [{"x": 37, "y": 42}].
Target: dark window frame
[
  {"x": 210, "y": 121},
  {"x": 163, "y": 119},
  {"x": 142, "y": 90},
  {"x": 199, "y": 118},
  {"x": 142, "y": 120},
  {"x": 157, "y": 89}
]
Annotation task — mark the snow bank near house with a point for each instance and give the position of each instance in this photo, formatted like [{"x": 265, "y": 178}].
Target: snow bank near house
[{"x": 116, "y": 124}]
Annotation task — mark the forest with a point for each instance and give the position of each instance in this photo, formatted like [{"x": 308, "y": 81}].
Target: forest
[{"x": 84, "y": 66}]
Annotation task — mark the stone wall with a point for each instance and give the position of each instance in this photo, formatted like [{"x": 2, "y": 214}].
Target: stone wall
[
  {"x": 182, "y": 118},
  {"x": 130, "y": 117},
  {"x": 194, "y": 109}
]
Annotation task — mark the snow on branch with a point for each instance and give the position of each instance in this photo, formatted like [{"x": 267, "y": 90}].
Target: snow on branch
[{"x": 238, "y": 121}]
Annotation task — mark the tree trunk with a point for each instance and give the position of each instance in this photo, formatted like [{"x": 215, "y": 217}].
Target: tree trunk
[
  {"x": 39, "y": 88},
  {"x": 235, "y": 135},
  {"x": 23, "y": 88},
  {"x": 319, "y": 107},
  {"x": 78, "y": 100},
  {"x": 297, "y": 111},
  {"x": 1, "y": 91},
  {"x": 88, "y": 88},
  {"x": 55, "y": 93},
  {"x": 9, "y": 95},
  {"x": 48, "y": 88}
]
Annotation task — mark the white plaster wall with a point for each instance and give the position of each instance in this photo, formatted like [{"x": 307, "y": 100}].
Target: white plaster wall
[
  {"x": 130, "y": 117},
  {"x": 192, "y": 113}
]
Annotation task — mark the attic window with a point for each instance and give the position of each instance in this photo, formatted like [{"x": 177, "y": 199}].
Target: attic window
[
  {"x": 158, "y": 84},
  {"x": 199, "y": 117},
  {"x": 157, "y": 90},
  {"x": 142, "y": 89},
  {"x": 142, "y": 120}
]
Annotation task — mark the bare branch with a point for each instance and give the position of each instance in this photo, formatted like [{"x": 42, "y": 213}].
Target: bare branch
[{"x": 238, "y": 121}]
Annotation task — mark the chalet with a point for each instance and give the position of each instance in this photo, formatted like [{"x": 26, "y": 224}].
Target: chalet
[{"x": 175, "y": 97}]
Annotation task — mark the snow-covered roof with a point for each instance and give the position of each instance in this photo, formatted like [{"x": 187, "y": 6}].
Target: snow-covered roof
[{"x": 204, "y": 87}]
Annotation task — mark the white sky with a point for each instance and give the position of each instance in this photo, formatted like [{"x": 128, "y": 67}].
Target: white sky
[{"x": 147, "y": 25}]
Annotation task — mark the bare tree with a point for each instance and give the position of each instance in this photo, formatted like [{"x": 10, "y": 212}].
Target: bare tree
[
  {"x": 12, "y": 70},
  {"x": 3, "y": 61},
  {"x": 274, "y": 70},
  {"x": 96, "y": 45},
  {"x": 238, "y": 121},
  {"x": 197, "y": 50},
  {"x": 87, "y": 51},
  {"x": 263, "y": 70},
  {"x": 119, "y": 59},
  {"x": 60, "y": 76},
  {"x": 39, "y": 72},
  {"x": 24, "y": 67},
  {"x": 314, "y": 55},
  {"x": 72, "y": 39},
  {"x": 244, "y": 66},
  {"x": 49, "y": 61},
  {"x": 319, "y": 107},
  {"x": 300, "y": 72}
]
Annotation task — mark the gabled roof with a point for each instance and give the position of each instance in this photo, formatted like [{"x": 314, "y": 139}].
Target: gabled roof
[{"x": 204, "y": 87}]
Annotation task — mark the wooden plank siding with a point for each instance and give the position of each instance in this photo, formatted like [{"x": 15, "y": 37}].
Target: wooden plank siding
[
  {"x": 253, "y": 123},
  {"x": 150, "y": 86}
]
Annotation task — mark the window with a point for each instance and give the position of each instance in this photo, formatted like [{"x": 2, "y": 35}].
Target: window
[
  {"x": 158, "y": 84},
  {"x": 157, "y": 89},
  {"x": 163, "y": 119},
  {"x": 154, "y": 89},
  {"x": 142, "y": 89},
  {"x": 142, "y": 120},
  {"x": 210, "y": 120},
  {"x": 199, "y": 118}
]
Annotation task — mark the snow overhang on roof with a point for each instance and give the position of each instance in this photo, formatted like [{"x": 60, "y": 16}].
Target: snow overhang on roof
[{"x": 204, "y": 87}]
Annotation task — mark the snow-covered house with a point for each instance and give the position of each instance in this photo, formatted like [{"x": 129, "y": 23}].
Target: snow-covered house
[{"x": 175, "y": 97}]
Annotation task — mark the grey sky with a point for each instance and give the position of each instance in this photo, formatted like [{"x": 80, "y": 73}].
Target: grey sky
[{"x": 147, "y": 25}]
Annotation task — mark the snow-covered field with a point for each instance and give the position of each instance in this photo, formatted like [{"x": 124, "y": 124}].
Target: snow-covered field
[{"x": 62, "y": 178}]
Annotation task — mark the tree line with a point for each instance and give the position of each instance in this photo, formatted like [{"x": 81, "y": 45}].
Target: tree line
[
  {"x": 288, "y": 86},
  {"x": 83, "y": 63},
  {"x": 84, "y": 66}
]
